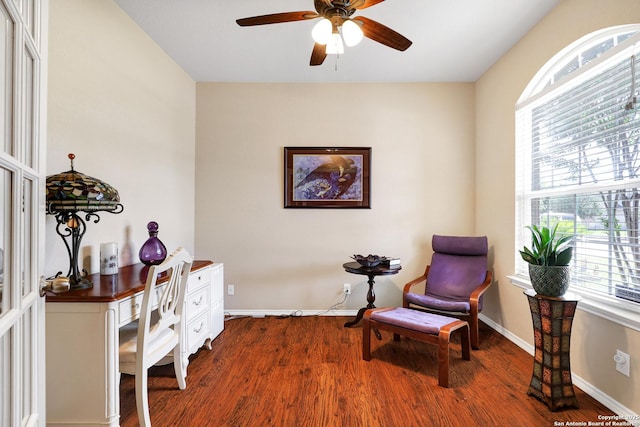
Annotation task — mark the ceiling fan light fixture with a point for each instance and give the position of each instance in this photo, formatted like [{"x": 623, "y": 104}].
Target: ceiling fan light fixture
[
  {"x": 351, "y": 33},
  {"x": 335, "y": 27},
  {"x": 321, "y": 32},
  {"x": 335, "y": 46}
]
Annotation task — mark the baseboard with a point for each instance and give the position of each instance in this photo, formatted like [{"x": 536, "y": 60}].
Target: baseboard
[
  {"x": 588, "y": 388},
  {"x": 288, "y": 313},
  {"x": 529, "y": 348}
]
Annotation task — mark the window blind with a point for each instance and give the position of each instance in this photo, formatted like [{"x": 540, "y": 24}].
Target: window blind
[{"x": 578, "y": 164}]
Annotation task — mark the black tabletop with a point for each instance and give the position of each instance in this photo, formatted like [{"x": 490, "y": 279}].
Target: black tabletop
[{"x": 378, "y": 270}]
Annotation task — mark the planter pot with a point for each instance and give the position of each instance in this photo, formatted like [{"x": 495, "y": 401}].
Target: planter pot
[
  {"x": 551, "y": 281},
  {"x": 627, "y": 292}
]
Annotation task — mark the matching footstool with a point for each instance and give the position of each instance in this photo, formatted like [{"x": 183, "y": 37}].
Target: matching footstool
[{"x": 419, "y": 325}]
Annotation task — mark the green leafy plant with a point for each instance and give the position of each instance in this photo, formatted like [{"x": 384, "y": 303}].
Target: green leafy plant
[{"x": 546, "y": 249}]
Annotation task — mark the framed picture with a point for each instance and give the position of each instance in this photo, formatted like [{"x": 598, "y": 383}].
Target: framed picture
[{"x": 327, "y": 177}]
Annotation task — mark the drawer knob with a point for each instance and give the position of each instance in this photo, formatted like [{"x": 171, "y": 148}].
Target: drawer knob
[
  {"x": 199, "y": 328},
  {"x": 198, "y": 302}
]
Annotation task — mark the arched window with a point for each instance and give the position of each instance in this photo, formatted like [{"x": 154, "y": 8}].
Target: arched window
[{"x": 578, "y": 161}]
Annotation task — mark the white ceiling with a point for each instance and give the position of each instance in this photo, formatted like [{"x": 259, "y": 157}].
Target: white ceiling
[{"x": 453, "y": 40}]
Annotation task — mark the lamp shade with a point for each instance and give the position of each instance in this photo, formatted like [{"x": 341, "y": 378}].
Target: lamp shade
[
  {"x": 72, "y": 191},
  {"x": 335, "y": 46},
  {"x": 322, "y": 31},
  {"x": 351, "y": 33}
]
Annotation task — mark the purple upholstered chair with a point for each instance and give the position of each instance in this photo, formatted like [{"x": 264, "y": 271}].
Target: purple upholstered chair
[{"x": 455, "y": 280}]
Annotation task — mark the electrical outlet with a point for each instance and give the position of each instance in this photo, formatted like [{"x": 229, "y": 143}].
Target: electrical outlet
[
  {"x": 623, "y": 360},
  {"x": 347, "y": 288},
  {"x": 231, "y": 290}
]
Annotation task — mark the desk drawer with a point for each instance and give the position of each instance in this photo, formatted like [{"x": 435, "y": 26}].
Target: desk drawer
[
  {"x": 129, "y": 309},
  {"x": 198, "y": 330},
  {"x": 196, "y": 303},
  {"x": 198, "y": 279}
]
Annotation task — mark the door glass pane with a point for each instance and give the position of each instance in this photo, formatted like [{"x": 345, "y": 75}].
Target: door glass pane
[
  {"x": 6, "y": 80},
  {"x": 27, "y": 233},
  {"x": 5, "y": 238},
  {"x": 28, "y": 108}
]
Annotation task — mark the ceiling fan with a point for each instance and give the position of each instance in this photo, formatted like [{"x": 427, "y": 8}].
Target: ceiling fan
[{"x": 336, "y": 25}]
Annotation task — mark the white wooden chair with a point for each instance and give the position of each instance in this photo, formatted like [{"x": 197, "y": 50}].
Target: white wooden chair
[{"x": 157, "y": 332}]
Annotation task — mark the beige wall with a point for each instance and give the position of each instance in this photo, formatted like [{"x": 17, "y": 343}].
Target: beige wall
[
  {"x": 594, "y": 340},
  {"x": 127, "y": 111},
  {"x": 442, "y": 162},
  {"x": 422, "y": 139}
]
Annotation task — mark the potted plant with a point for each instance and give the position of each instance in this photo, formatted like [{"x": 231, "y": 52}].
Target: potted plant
[{"x": 548, "y": 260}]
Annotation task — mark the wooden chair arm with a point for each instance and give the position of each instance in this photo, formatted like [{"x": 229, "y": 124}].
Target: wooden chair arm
[
  {"x": 415, "y": 281},
  {"x": 477, "y": 292}
]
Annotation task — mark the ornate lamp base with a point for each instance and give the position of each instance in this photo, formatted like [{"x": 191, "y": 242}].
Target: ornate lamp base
[{"x": 80, "y": 283}]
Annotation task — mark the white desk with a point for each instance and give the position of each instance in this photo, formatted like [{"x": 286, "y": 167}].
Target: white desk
[{"x": 83, "y": 341}]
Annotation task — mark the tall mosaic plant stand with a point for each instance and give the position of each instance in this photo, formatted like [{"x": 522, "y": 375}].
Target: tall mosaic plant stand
[{"x": 552, "y": 319}]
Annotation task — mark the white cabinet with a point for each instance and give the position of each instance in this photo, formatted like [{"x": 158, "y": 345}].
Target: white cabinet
[
  {"x": 217, "y": 299},
  {"x": 197, "y": 312},
  {"x": 204, "y": 308}
]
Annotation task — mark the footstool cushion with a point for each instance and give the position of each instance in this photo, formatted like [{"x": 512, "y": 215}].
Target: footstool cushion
[{"x": 420, "y": 325}]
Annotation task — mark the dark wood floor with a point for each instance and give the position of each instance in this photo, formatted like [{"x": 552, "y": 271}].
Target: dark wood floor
[{"x": 308, "y": 371}]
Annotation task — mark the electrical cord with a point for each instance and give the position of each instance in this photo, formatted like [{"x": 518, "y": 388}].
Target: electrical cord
[
  {"x": 295, "y": 313},
  {"x": 228, "y": 316},
  {"x": 298, "y": 313},
  {"x": 345, "y": 297}
]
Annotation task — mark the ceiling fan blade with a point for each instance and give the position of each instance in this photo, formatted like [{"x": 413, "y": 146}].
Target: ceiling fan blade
[
  {"x": 318, "y": 54},
  {"x": 276, "y": 18},
  {"x": 382, "y": 34},
  {"x": 369, "y": 3}
]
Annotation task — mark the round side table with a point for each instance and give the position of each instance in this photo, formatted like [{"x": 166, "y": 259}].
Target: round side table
[{"x": 371, "y": 273}]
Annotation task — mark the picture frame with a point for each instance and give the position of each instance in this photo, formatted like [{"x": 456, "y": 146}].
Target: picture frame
[{"x": 327, "y": 177}]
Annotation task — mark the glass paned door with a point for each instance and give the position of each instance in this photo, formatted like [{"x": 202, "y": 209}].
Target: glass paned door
[{"x": 22, "y": 167}]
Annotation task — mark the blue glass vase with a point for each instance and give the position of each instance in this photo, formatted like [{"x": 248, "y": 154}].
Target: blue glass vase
[{"x": 153, "y": 252}]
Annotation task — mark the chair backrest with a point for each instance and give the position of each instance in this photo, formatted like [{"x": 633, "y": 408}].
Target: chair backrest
[
  {"x": 170, "y": 301},
  {"x": 458, "y": 266}
]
